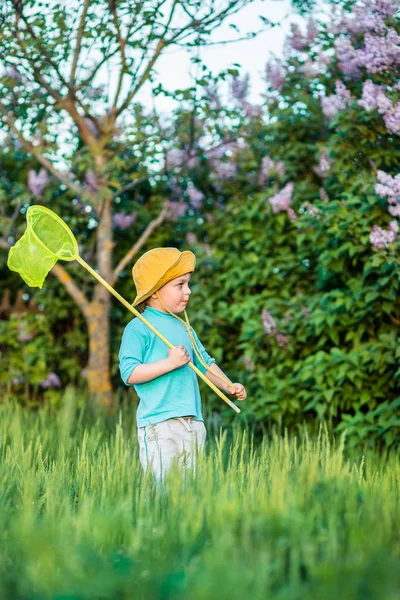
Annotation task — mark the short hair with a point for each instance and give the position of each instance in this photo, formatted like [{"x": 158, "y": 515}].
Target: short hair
[{"x": 141, "y": 307}]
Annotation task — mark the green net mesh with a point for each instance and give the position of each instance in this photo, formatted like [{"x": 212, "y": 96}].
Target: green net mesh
[{"x": 46, "y": 239}]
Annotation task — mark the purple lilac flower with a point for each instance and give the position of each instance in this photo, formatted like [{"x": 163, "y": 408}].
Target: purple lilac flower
[
  {"x": 296, "y": 40},
  {"x": 214, "y": 98},
  {"x": 275, "y": 74},
  {"x": 175, "y": 189},
  {"x": 373, "y": 97},
  {"x": 209, "y": 217},
  {"x": 191, "y": 238},
  {"x": 123, "y": 221},
  {"x": 336, "y": 102},
  {"x": 310, "y": 68},
  {"x": 37, "y": 182},
  {"x": 267, "y": 164},
  {"x": 381, "y": 238},
  {"x": 270, "y": 329},
  {"x": 174, "y": 158},
  {"x": 24, "y": 335},
  {"x": 312, "y": 211},
  {"x": 347, "y": 56},
  {"x": 299, "y": 41},
  {"x": 248, "y": 363},
  {"x": 195, "y": 197},
  {"x": 240, "y": 87},
  {"x": 386, "y": 7},
  {"x": 368, "y": 16},
  {"x": 324, "y": 164},
  {"x": 312, "y": 30},
  {"x": 323, "y": 59},
  {"x": 392, "y": 119},
  {"x": 389, "y": 187},
  {"x": 177, "y": 210},
  {"x": 380, "y": 53},
  {"x": 13, "y": 73},
  {"x": 52, "y": 381},
  {"x": 225, "y": 170},
  {"x": 216, "y": 153},
  {"x": 192, "y": 158},
  {"x": 91, "y": 182},
  {"x": 251, "y": 110},
  {"x": 268, "y": 322},
  {"x": 280, "y": 168},
  {"x": 282, "y": 340},
  {"x": 323, "y": 195},
  {"x": 282, "y": 200}
]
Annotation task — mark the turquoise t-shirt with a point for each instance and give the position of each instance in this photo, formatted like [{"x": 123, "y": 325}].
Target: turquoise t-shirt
[{"x": 174, "y": 394}]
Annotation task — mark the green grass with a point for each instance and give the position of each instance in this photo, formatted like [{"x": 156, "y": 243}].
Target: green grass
[{"x": 290, "y": 518}]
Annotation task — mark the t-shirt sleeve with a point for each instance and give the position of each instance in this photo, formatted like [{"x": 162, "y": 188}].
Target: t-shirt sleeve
[
  {"x": 132, "y": 350},
  {"x": 204, "y": 354}
]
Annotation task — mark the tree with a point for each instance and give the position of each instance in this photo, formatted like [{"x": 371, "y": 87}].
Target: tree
[{"x": 80, "y": 133}]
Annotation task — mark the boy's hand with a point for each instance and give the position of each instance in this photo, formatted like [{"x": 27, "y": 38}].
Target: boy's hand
[
  {"x": 237, "y": 390},
  {"x": 178, "y": 356}
]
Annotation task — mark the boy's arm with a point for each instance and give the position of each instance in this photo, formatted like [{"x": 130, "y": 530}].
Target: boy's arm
[
  {"x": 218, "y": 382},
  {"x": 149, "y": 371},
  {"x": 177, "y": 357}
]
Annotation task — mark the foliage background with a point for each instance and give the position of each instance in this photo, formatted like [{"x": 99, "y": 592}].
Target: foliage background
[{"x": 291, "y": 209}]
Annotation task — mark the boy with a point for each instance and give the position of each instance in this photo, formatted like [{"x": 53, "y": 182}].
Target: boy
[{"x": 169, "y": 419}]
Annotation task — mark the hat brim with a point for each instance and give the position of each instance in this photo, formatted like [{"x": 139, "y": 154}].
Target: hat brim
[{"x": 185, "y": 264}]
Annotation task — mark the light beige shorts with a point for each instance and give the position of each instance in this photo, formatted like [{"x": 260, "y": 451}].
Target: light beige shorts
[{"x": 179, "y": 439}]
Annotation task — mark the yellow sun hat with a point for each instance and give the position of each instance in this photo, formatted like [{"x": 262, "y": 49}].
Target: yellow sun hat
[{"x": 157, "y": 267}]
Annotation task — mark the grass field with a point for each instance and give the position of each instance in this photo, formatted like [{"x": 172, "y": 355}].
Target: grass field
[{"x": 290, "y": 518}]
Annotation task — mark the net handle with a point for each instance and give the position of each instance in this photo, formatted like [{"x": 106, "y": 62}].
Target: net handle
[{"x": 157, "y": 333}]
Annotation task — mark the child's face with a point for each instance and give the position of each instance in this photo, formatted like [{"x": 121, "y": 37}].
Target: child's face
[{"x": 175, "y": 294}]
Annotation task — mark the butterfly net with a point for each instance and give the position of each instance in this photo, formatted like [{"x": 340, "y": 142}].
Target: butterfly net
[{"x": 46, "y": 240}]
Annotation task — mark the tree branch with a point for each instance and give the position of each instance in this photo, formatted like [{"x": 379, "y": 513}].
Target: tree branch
[
  {"x": 72, "y": 91},
  {"x": 136, "y": 247},
  {"x": 122, "y": 44},
  {"x": 50, "y": 90},
  {"x": 81, "y": 30},
  {"x": 44, "y": 161},
  {"x": 157, "y": 52},
  {"x": 76, "y": 294},
  {"x": 397, "y": 321},
  {"x": 10, "y": 226}
]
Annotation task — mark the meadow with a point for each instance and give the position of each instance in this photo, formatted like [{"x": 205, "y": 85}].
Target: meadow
[{"x": 285, "y": 517}]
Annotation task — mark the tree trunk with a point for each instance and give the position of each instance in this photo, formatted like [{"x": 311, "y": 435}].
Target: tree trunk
[
  {"x": 98, "y": 323},
  {"x": 97, "y": 316}
]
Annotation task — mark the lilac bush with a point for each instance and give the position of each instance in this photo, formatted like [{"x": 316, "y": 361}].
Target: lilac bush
[
  {"x": 381, "y": 238},
  {"x": 317, "y": 287}
]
